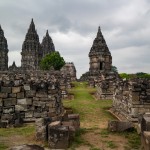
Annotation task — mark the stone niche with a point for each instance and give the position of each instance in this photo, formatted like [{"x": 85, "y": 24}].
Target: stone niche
[{"x": 27, "y": 96}]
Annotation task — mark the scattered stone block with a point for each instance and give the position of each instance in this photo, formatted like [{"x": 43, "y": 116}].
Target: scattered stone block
[
  {"x": 119, "y": 126},
  {"x": 58, "y": 136},
  {"x": 27, "y": 147}
]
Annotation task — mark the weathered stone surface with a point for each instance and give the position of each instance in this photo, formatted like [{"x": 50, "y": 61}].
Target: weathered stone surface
[
  {"x": 3, "y": 95},
  {"x": 1, "y": 102},
  {"x": 6, "y": 89},
  {"x": 9, "y": 101},
  {"x": 11, "y": 95},
  {"x": 58, "y": 136},
  {"x": 27, "y": 147},
  {"x": 22, "y": 101},
  {"x": 29, "y": 114},
  {"x": 69, "y": 68},
  {"x": 16, "y": 89},
  {"x": 26, "y": 101},
  {"x": 30, "y": 93},
  {"x": 41, "y": 95},
  {"x": 100, "y": 56},
  {"x": 31, "y": 50},
  {"x": 119, "y": 126},
  {"x": 47, "y": 45},
  {"x": 8, "y": 110},
  {"x": 20, "y": 108},
  {"x": 27, "y": 87},
  {"x": 4, "y": 51},
  {"x": 20, "y": 95}
]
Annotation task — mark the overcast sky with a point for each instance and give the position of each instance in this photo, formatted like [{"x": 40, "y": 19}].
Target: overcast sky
[{"x": 73, "y": 25}]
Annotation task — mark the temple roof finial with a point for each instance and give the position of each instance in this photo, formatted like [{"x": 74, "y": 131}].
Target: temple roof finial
[
  {"x": 32, "y": 26},
  {"x": 47, "y": 34},
  {"x": 99, "y": 33}
]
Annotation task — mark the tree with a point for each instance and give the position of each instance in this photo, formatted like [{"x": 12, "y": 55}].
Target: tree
[
  {"x": 52, "y": 60},
  {"x": 114, "y": 69}
]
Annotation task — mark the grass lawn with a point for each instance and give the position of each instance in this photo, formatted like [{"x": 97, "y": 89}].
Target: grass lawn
[{"x": 94, "y": 117}]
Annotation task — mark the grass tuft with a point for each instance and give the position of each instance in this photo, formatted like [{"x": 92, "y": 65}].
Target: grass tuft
[{"x": 111, "y": 144}]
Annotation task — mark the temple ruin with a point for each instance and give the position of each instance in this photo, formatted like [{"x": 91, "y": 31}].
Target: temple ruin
[{"x": 3, "y": 51}]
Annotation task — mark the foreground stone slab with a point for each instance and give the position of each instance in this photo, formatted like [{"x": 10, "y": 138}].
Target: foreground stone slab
[
  {"x": 27, "y": 147},
  {"x": 119, "y": 126},
  {"x": 58, "y": 136}
]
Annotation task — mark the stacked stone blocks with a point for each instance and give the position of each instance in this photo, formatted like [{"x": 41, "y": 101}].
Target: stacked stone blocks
[{"x": 29, "y": 96}]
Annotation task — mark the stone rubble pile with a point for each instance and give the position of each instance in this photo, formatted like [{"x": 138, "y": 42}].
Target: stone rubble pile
[
  {"x": 58, "y": 132},
  {"x": 26, "y": 96}
]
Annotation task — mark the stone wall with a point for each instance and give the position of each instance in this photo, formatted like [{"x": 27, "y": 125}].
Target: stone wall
[
  {"x": 26, "y": 96},
  {"x": 132, "y": 98},
  {"x": 105, "y": 85},
  {"x": 69, "y": 69}
]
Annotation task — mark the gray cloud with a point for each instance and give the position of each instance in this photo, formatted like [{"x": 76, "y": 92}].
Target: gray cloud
[{"x": 73, "y": 24}]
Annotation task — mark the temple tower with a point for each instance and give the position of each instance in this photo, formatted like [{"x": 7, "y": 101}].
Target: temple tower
[
  {"x": 31, "y": 50},
  {"x": 100, "y": 56},
  {"x": 3, "y": 51},
  {"x": 47, "y": 45}
]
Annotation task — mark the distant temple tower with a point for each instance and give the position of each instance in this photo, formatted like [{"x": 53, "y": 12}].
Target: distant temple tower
[
  {"x": 31, "y": 50},
  {"x": 3, "y": 51},
  {"x": 47, "y": 45},
  {"x": 100, "y": 56}
]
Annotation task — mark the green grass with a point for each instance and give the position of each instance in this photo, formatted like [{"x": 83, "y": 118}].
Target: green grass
[
  {"x": 111, "y": 144},
  {"x": 94, "y": 112},
  {"x": 6, "y": 133},
  {"x": 104, "y": 133},
  {"x": 3, "y": 146},
  {"x": 85, "y": 104},
  {"x": 24, "y": 131}
]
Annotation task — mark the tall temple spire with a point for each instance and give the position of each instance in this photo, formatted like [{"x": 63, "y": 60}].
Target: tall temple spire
[
  {"x": 100, "y": 56},
  {"x": 99, "y": 31},
  {"x": 32, "y": 26},
  {"x": 3, "y": 51},
  {"x": 1, "y": 31},
  {"x": 47, "y": 44},
  {"x": 31, "y": 49},
  {"x": 47, "y": 34}
]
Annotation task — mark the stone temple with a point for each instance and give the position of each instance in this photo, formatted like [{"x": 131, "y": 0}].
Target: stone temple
[
  {"x": 3, "y": 51},
  {"x": 100, "y": 56},
  {"x": 33, "y": 51},
  {"x": 100, "y": 59}
]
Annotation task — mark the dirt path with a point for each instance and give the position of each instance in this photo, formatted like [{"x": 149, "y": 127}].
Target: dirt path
[{"x": 94, "y": 119}]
